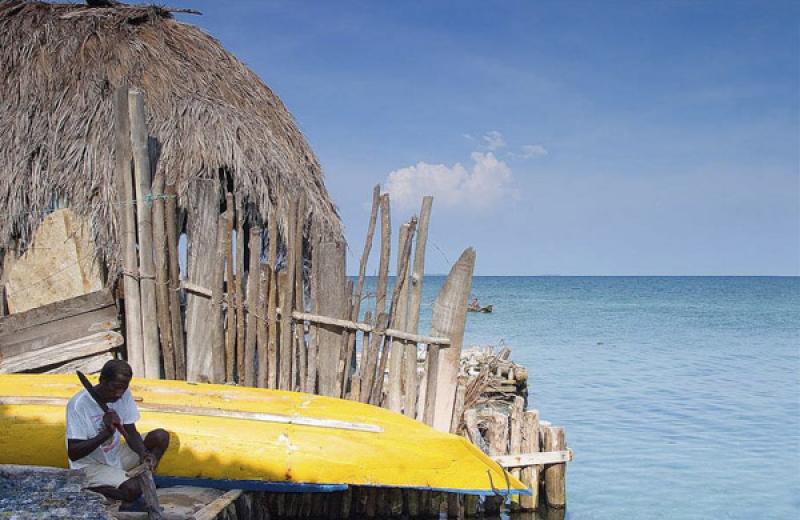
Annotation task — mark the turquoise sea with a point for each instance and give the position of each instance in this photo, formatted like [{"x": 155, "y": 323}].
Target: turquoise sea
[{"x": 680, "y": 395}]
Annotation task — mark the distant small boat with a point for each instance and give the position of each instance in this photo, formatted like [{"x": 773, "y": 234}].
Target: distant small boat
[{"x": 485, "y": 308}]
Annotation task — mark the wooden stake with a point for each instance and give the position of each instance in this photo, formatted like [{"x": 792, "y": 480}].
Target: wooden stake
[
  {"x": 313, "y": 330},
  {"x": 530, "y": 474},
  {"x": 554, "y": 474},
  {"x": 332, "y": 302},
  {"x": 449, "y": 317},
  {"x": 144, "y": 220},
  {"x": 458, "y": 407},
  {"x": 272, "y": 304},
  {"x": 414, "y": 397},
  {"x": 175, "y": 315},
  {"x": 362, "y": 270},
  {"x": 230, "y": 313},
  {"x": 345, "y": 357},
  {"x": 394, "y": 392},
  {"x": 127, "y": 225},
  {"x": 241, "y": 319},
  {"x": 516, "y": 426},
  {"x": 262, "y": 348},
  {"x": 386, "y": 249},
  {"x": 162, "y": 278},
  {"x": 370, "y": 379},
  {"x": 299, "y": 297},
  {"x": 253, "y": 275},
  {"x": 285, "y": 346},
  {"x": 288, "y": 371},
  {"x": 217, "y": 295}
]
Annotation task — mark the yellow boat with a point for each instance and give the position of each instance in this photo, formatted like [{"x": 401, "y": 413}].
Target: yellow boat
[{"x": 247, "y": 438}]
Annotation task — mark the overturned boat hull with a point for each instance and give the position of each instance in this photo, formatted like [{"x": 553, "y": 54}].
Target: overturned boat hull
[{"x": 247, "y": 438}]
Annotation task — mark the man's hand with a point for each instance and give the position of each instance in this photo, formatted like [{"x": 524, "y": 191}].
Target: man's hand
[
  {"x": 149, "y": 459},
  {"x": 112, "y": 421}
]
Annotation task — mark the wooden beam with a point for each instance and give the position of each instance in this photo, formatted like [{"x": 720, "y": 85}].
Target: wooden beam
[
  {"x": 52, "y": 355},
  {"x": 217, "y": 373},
  {"x": 366, "y": 327},
  {"x": 253, "y": 278},
  {"x": 331, "y": 302},
  {"x": 414, "y": 398},
  {"x": 230, "y": 282},
  {"x": 142, "y": 169},
  {"x": 399, "y": 312},
  {"x": 162, "y": 278},
  {"x": 127, "y": 228},
  {"x": 212, "y": 510},
  {"x": 175, "y": 315}
]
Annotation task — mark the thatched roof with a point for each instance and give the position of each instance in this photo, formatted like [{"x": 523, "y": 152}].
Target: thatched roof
[{"x": 59, "y": 66}]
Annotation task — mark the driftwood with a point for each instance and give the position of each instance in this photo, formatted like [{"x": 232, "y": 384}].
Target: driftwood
[{"x": 55, "y": 354}]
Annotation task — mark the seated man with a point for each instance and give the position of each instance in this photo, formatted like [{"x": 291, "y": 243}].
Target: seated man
[{"x": 93, "y": 439}]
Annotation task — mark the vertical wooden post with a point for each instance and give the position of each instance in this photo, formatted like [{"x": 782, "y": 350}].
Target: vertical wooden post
[
  {"x": 285, "y": 346},
  {"x": 217, "y": 374},
  {"x": 554, "y": 474},
  {"x": 394, "y": 392},
  {"x": 127, "y": 225},
  {"x": 260, "y": 314},
  {"x": 230, "y": 330},
  {"x": 272, "y": 303},
  {"x": 458, "y": 407},
  {"x": 288, "y": 364},
  {"x": 175, "y": 315},
  {"x": 162, "y": 278},
  {"x": 371, "y": 379},
  {"x": 386, "y": 249},
  {"x": 362, "y": 271},
  {"x": 253, "y": 274},
  {"x": 530, "y": 474},
  {"x": 142, "y": 172},
  {"x": 449, "y": 317},
  {"x": 313, "y": 330},
  {"x": 299, "y": 382},
  {"x": 332, "y": 302},
  {"x": 241, "y": 318},
  {"x": 414, "y": 304},
  {"x": 516, "y": 427},
  {"x": 345, "y": 357}
]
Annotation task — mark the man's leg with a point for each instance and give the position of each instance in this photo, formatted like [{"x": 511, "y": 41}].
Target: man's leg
[
  {"x": 157, "y": 442},
  {"x": 127, "y": 492}
]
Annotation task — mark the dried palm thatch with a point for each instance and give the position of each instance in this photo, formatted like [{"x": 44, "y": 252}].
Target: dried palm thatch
[{"x": 211, "y": 117}]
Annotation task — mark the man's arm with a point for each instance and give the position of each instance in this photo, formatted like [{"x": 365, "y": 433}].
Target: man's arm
[{"x": 78, "y": 448}]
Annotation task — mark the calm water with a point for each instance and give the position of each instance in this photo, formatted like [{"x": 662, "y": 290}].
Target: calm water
[{"x": 680, "y": 396}]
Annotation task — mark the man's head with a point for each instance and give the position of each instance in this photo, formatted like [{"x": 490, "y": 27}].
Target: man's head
[{"x": 114, "y": 380}]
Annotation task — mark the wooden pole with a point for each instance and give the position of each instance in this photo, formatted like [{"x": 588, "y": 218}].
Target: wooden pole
[
  {"x": 217, "y": 374},
  {"x": 332, "y": 302},
  {"x": 554, "y": 474},
  {"x": 230, "y": 330},
  {"x": 288, "y": 364},
  {"x": 162, "y": 278},
  {"x": 394, "y": 392},
  {"x": 530, "y": 474},
  {"x": 313, "y": 331},
  {"x": 386, "y": 249},
  {"x": 285, "y": 346},
  {"x": 253, "y": 275},
  {"x": 362, "y": 269},
  {"x": 127, "y": 224},
  {"x": 299, "y": 296},
  {"x": 369, "y": 380},
  {"x": 449, "y": 317},
  {"x": 415, "y": 391},
  {"x": 241, "y": 319},
  {"x": 345, "y": 357},
  {"x": 272, "y": 304},
  {"x": 516, "y": 425},
  {"x": 262, "y": 347},
  {"x": 142, "y": 172},
  {"x": 175, "y": 315},
  {"x": 458, "y": 407}
]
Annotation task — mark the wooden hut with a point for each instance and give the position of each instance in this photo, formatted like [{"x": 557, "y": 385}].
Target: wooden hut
[{"x": 214, "y": 128}]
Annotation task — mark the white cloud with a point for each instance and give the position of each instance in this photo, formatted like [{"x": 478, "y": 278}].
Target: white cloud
[
  {"x": 530, "y": 151},
  {"x": 494, "y": 140},
  {"x": 480, "y": 187}
]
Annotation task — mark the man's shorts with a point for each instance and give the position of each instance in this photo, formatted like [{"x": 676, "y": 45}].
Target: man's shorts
[{"x": 104, "y": 475}]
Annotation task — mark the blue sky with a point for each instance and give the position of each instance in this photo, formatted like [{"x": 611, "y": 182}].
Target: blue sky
[{"x": 574, "y": 138}]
